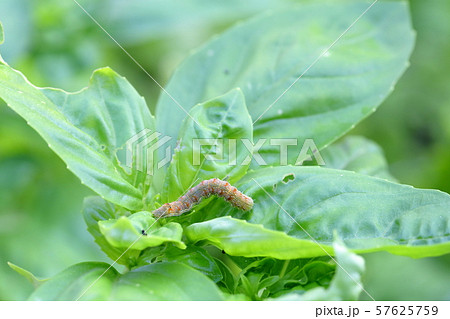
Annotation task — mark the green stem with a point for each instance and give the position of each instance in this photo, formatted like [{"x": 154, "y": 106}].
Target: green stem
[
  {"x": 235, "y": 270},
  {"x": 285, "y": 266}
]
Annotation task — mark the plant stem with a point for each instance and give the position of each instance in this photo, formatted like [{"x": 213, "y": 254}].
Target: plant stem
[
  {"x": 285, "y": 266},
  {"x": 235, "y": 269}
]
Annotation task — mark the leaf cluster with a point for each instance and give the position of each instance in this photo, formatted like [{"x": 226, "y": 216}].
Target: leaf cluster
[{"x": 302, "y": 216}]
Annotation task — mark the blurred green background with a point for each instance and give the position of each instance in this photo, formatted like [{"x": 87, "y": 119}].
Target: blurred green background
[{"x": 54, "y": 43}]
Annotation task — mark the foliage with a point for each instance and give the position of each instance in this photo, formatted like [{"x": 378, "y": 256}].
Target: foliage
[{"x": 303, "y": 215}]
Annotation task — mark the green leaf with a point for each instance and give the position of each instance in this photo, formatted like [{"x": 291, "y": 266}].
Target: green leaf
[
  {"x": 161, "y": 281},
  {"x": 137, "y": 21},
  {"x": 87, "y": 129},
  {"x": 265, "y": 55},
  {"x": 112, "y": 112},
  {"x": 357, "y": 154},
  {"x": 268, "y": 277},
  {"x": 240, "y": 238},
  {"x": 257, "y": 279},
  {"x": 285, "y": 276},
  {"x": 368, "y": 213},
  {"x": 249, "y": 285},
  {"x": 346, "y": 284},
  {"x": 96, "y": 209},
  {"x": 318, "y": 272},
  {"x": 228, "y": 279},
  {"x": 219, "y": 124},
  {"x": 165, "y": 281},
  {"x": 195, "y": 257},
  {"x": 128, "y": 231},
  {"x": 72, "y": 282},
  {"x": 36, "y": 282}
]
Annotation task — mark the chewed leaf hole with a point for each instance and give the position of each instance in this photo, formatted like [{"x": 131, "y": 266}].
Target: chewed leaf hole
[{"x": 288, "y": 177}]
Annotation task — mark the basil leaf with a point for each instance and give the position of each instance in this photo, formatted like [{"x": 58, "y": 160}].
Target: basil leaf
[
  {"x": 160, "y": 281},
  {"x": 368, "y": 214},
  {"x": 206, "y": 137},
  {"x": 265, "y": 55},
  {"x": 88, "y": 129}
]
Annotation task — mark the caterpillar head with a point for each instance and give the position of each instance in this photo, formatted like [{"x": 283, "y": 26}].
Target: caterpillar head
[{"x": 163, "y": 211}]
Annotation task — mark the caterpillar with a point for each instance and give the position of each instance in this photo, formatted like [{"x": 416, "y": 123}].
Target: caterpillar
[{"x": 205, "y": 189}]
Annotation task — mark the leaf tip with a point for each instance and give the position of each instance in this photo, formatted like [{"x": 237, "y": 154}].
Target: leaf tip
[
  {"x": 238, "y": 93},
  {"x": 104, "y": 72},
  {"x": 26, "y": 274}
]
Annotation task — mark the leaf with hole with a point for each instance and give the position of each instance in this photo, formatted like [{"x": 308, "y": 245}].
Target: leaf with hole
[{"x": 368, "y": 214}]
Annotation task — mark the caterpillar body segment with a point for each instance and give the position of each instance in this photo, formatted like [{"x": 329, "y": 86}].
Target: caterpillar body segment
[{"x": 203, "y": 190}]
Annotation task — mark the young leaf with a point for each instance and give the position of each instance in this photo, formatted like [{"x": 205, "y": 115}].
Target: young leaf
[
  {"x": 36, "y": 282},
  {"x": 285, "y": 276},
  {"x": 368, "y": 213},
  {"x": 240, "y": 238},
  {"x": 86, "y": 129},
  {"x": 195, "y": 257},
  {"x": 141, "y": 231},
  {"x": 346, "y": 284},
  {"x": 265, "y": 55},
  {"x": 357, "y": 154},
  {"x": 73, "y": 281},
  {"x": 160, "y": 281},
  {"x": 204, "y": 144},
  {"x": 96, "y": 209},
  {"x": 228, "y": 279}
]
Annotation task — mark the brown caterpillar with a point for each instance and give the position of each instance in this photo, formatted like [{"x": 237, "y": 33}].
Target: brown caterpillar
[{"x": 205, "y": 189}]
